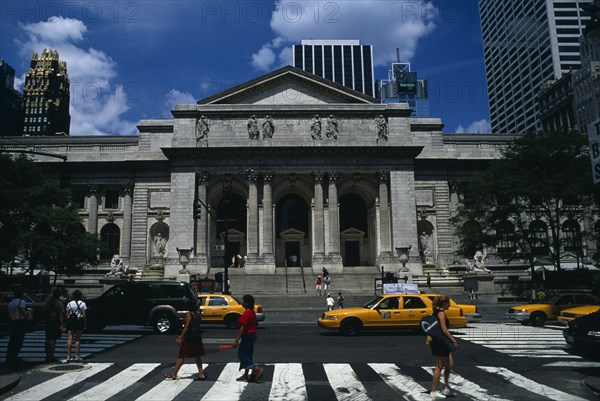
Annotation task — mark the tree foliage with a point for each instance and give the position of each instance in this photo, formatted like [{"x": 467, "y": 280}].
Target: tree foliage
[
  {"x": 540, "y": 177},
  {"x": 39, "y": 221}
]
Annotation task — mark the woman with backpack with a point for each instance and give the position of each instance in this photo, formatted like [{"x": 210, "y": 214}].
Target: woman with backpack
[
  {"x": 190, "y": 343},
  {"x": 76, "y": 323}
]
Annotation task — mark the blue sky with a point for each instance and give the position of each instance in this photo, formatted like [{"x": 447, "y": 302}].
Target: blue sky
[{"x": 130, "y": 60}]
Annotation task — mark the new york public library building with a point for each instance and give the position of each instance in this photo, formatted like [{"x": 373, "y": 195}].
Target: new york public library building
[{"x": 295, "y": 169}]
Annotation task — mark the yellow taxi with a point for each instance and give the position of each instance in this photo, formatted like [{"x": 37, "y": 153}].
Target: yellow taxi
[
  {"x": 387, "y": 311},
  {"x": 538, "y": 313},
  {"x": 573, "y": 313},
  {"x": 224, "y": 308},
  {"x": 471, "y": 312}
]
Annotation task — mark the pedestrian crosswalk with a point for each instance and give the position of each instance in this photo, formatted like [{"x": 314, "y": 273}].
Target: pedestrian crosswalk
[
  {"x": 287, "y": 381},
  {"x": 33, "y": 345},
  {"x": 517, "y": 340}
]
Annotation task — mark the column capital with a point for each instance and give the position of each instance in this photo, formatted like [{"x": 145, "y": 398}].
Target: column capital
[
  {"x": 93, "y": 188},
  {"x": 268, "y": 177},
  {"x": 384, "y": 176},
  {"x": 251, "y": 176},
  {"x": 318, "y": 178},
  {"x": 202, "y": 178},
  {"x": 128, "y": 187},
  {"x": 333, "y": 176}
]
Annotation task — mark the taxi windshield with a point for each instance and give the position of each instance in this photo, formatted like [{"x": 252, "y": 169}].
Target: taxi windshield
[
  {"x": 372, "y": 303},
  {"x": 549, "y": 300}
]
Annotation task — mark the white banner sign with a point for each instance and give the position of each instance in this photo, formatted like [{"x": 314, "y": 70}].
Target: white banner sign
[
  {"x": 397, "y": 288},
  {"x": 594, "y": 141}
]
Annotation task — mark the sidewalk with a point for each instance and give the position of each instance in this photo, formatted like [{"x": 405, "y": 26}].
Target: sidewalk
[{"x": 8, "y": 380}]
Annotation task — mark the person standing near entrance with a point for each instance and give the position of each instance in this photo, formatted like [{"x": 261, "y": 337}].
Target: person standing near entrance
[{"x": 428, "y": 280}]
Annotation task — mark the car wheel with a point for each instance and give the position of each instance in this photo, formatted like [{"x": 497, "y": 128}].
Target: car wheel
[
  {"x": 231, "y": 321},
  {"x": 164, "y": 323},
  {"x": 350, "y": 327},
  {"x": 538, "y": 319}
]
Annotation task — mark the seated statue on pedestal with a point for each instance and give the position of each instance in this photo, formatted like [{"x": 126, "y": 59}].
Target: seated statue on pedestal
[{"x": 478, "y": 264}]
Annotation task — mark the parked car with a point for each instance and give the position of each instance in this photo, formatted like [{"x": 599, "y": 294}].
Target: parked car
[
  {"x": 390, "y": 311},
  {"x": 471, "y": 312},
  {"x": 538, "y": 313},
  {"x": 162, "y": 304},
  {"x": 224, "y": 308},
  {"x": 571, "y": 314},
  {"x": 584, "y": 332},
  {"x": 34, "y": 304}
]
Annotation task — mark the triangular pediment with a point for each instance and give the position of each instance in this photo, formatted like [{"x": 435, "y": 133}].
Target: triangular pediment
[
  {"x": 352, "y": 234},
  {"x": 289, "y": 85},
  {"x": 292, "y": 234}
]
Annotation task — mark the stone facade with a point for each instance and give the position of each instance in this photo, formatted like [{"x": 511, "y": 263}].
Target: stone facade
[{"x": 284, "y": 198}]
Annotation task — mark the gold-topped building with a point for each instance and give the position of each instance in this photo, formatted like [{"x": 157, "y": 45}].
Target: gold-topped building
[{"x": 46, "y": 96}]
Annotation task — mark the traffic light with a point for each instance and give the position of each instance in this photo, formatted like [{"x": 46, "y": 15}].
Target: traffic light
[{"x": 197, "y": 210}]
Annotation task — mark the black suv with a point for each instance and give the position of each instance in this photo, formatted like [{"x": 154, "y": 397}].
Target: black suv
[{"x": 162, "y": 304}]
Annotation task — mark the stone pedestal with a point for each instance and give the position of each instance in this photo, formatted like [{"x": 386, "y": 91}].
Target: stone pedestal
[
  {"x": 482, "y": 284},
  {"x": 183, "y": 275}
]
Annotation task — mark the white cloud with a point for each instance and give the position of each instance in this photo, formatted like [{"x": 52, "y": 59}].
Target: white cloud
[
  {"x": 265, "y": 57},
  {"x": 385, "y": 25},
  {"x": 97, "y": 103},
  {"x": 175, "y": 97},
  {"x": 476, "y": 127}
]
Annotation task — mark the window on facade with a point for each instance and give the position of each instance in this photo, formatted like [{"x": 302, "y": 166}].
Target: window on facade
[
  {"x": 78, "y": 198},
  {"x": 571, "y": 237},
  {"x": 505, "y": 233},
  {"x": 538, "y": 231},
  {"x": 292, "y": 212},
  {"x": 111, "y": 199},
  {"x": 110, "y": 236}
]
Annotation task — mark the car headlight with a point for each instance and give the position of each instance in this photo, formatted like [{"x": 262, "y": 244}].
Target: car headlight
[
  {"x": 330, "y": 317},
  {"x": 593, "y": 333}
]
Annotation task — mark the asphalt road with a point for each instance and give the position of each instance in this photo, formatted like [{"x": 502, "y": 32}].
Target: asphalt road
[{"x": 495, "y": 361}]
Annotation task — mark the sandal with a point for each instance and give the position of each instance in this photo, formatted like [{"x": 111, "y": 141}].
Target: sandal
[
  {"x": 243, "y": 378},
  {"x": 200, "y": 378},
  {"x": 170, "y": 377}
]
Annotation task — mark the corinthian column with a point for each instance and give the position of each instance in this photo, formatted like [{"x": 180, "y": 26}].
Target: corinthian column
[
  {"x": 252, "y": 216},
  {"x": 127, "y": 221},
  {"x": 267, "y": 245},
  {"x": 318, "y": 223},
  {"x": 385, "y": 243},
  {"x": 334, "y": 219},
  {"x": 93, "y": 215}
]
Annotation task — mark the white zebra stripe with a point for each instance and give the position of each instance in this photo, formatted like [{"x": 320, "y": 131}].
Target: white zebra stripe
[
  {"x": 58, "y": 383},
  {"x": 288, "y": 383},
  {"x": 393, "y": 377},
  {"x": 530, "y": 385},
  {"x": 574, "y": 364},
  {"x": 169, "y": 389},
  {"x": 116, "y": 383},
  {"x": 468, "y": 388},
  {"x": 345, "y": 383},
  {"x": 226, "y": 387}
]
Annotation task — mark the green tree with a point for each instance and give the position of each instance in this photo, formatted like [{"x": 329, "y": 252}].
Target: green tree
[
  {"x": 539, "y": 178},
  {"x": 39, "y": 221}
]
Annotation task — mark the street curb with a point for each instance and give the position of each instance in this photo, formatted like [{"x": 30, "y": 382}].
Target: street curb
[
  {"x": 593, "y": 383},
  {"x": 8, "y": 381}
]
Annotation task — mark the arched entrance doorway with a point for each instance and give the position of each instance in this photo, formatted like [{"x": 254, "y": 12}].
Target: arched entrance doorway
[
  {"x": 354, "y": 244},
  {"x": 230, "y": 230},
  {"x": 292, "y": 228}
]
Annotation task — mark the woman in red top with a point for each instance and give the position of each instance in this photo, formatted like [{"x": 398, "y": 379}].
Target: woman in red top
[{"x": 247, "y": 333}]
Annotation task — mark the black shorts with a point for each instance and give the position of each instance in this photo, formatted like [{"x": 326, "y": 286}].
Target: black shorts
[
  {"x": 439, "y": 349},
  {"x": 75, "y": 324}
]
